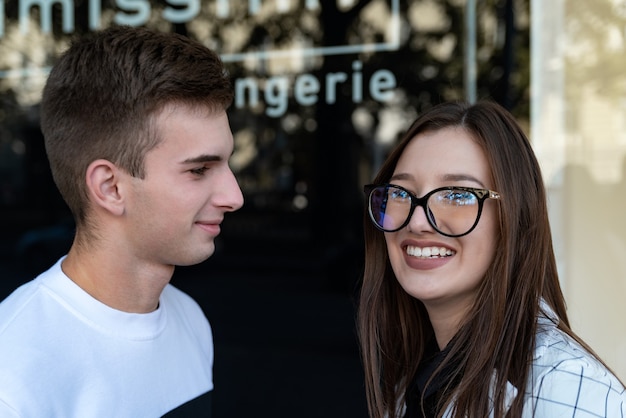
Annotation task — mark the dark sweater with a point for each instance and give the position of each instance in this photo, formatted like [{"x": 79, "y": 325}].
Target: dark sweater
[{"x": 432, "y": 393}]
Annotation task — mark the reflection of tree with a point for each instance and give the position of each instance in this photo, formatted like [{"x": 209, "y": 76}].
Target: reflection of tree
[
  {"x": 425, "y": 75},
  {"x": 597, "y": 45}
]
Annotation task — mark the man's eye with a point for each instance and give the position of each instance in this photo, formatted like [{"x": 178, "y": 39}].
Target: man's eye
[{"x": 199, "y": 171}]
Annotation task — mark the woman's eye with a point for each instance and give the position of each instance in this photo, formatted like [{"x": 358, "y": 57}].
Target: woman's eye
[
  {"x": 398, "y": 195},
  {"x": 459, "y": 197}
]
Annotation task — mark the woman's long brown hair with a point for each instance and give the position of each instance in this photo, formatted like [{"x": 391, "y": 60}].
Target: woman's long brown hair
[{"x": 499, "y": 332}]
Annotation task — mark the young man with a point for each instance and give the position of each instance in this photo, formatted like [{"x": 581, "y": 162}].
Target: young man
[{"x": 138, "y": 140}]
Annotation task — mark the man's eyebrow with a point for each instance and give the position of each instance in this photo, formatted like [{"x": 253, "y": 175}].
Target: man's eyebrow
[{"x": 204, "y": 158}]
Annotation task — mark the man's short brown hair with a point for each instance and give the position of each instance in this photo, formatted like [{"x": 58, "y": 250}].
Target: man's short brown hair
[{"x": 105, "y": 90}]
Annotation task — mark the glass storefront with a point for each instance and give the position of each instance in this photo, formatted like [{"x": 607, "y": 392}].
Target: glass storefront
[
  {"x": 578, "y": 125},
  {"x": 323, "y": 89}
]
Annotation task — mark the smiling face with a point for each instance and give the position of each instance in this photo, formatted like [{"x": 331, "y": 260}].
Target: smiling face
[
  {"x": 442, "y": 272},
  {"x": 174, "y": 213}
]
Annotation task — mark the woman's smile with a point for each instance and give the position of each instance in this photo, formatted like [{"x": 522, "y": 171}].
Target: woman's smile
[{"x": 428, "y": 252}]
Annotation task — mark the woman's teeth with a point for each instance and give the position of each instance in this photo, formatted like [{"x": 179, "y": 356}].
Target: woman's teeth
[{"x": 428, "y": 252}]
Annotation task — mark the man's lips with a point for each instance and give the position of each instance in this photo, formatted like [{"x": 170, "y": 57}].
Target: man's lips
[{"x": 212, "y": 227}]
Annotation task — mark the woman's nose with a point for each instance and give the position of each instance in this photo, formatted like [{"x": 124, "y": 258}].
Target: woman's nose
[{"x": 419, "y": 221}]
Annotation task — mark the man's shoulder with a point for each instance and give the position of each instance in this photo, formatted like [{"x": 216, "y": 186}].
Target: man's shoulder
[
  {"x": 13, "y": 305},
  {"x": 18, "y": 343},
  {"x": 28, "y": 316},
  {"x": 176, "y": 299},
  {"x": 20, "y": 298}
]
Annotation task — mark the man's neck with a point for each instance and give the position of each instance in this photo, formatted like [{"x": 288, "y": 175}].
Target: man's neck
[{"x": 119, "y": 282}]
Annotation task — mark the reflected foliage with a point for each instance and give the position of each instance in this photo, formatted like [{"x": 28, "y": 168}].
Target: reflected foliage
[{"x": 597, "y": 45}]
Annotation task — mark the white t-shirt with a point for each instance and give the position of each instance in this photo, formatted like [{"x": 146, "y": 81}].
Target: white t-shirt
[{"x": 65, "y": 354}]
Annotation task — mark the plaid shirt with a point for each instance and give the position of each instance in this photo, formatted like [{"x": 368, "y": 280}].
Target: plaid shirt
[{"x": 566, "y": 380}]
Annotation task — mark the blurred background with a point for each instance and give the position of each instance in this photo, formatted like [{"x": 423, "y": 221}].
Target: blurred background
[{"x": 323, "y": 91}]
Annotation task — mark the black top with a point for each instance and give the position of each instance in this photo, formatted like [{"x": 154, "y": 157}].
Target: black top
[
  {"x": 197, "y": 408},
  {"x": 436, "y": 389}
]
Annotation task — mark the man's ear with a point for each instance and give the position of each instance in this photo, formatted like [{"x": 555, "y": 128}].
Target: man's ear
[{"x": 103, "y": 179}]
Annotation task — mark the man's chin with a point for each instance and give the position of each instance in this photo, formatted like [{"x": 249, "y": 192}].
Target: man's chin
[{"x": 197, "y": 258}]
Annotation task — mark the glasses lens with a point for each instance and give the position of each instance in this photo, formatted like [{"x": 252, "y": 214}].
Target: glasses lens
[
  {"x": 453, "y": 211},
  {"x": 389, "y": 207}
]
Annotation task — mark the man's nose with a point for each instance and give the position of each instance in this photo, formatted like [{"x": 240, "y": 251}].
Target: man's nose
[{"x": 230, "y": 195}]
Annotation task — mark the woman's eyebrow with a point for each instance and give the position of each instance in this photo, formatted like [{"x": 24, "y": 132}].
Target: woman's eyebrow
[
  {"x": 446, "y": 178},
  {"x": 463, "y": 177},
  {"x": 401, "y": 176}
]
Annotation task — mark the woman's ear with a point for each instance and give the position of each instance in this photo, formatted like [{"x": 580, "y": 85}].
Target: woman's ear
[{"x": 103, "y": 180}]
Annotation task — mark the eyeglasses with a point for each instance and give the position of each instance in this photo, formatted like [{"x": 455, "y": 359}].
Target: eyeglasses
[{"x": 452, "y": 211}]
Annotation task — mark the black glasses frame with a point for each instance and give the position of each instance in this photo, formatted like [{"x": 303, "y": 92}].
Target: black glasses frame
[{"x": 481, "y": 194}]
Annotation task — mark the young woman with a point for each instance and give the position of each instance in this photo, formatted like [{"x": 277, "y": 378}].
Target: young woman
[{"x": 461, "y": 313}]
